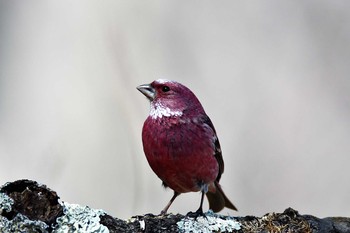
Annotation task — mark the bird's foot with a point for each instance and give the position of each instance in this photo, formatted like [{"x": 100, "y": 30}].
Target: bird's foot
[{"x": 196, "y": 214}]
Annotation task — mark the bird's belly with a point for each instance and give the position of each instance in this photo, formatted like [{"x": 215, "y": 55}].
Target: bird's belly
[{"x": 185, "y": 173}]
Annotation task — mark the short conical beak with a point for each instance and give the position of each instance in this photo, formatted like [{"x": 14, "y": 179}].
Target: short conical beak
[{"x": 147, "y": 90}]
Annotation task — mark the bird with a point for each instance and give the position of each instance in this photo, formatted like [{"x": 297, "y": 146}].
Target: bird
[{"x": 181, "y": 145}]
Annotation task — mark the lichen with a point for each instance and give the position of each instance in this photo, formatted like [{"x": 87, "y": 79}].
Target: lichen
[
  {"x": 21, "y": 224},
  {"x": 210, "y": 223},
  {"x": 75, "y": 219},
  {"x": 78, "y": 219},
  {"x": 5, "y": 203}
]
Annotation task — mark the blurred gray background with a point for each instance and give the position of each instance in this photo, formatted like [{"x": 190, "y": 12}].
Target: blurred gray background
[{"x": 273, "y": 76}]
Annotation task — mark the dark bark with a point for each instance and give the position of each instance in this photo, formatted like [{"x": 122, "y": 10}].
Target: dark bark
[{"x": 26, "y": 206}]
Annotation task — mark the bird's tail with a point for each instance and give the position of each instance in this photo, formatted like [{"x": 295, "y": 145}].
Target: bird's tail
[{"x": 218, "y": 200}]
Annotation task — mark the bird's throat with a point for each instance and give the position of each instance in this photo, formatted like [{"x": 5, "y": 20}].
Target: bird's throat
[{"x": 159, "y": 111}]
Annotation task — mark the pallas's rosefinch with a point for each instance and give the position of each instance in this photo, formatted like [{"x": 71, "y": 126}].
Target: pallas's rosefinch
[{"x": 180, "y": 144}]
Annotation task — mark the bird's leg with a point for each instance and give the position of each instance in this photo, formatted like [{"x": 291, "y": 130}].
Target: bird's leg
[
  {"x": 169, "y": 204},
  {"x": 199, "y": 212},
  {"x": 200, "y": 209}
]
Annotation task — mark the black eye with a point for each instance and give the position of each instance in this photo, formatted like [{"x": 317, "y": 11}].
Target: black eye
[{"x": 165, "y": 89}]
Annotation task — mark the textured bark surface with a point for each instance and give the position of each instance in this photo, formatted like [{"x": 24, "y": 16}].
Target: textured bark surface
[{"x": 26, "y": 206}]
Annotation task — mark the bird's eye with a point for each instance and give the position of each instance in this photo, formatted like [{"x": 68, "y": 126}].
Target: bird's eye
[{"x": 165, "y": 89}]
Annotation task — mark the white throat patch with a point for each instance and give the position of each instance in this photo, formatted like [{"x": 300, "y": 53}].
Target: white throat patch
[{"x": 159, "y": 111}]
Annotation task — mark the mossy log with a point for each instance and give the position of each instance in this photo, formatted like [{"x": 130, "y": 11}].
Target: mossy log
[{"x": 26, "y": 206}]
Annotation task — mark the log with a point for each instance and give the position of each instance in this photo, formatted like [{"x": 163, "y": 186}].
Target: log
[{"x": 27, "y": 206}]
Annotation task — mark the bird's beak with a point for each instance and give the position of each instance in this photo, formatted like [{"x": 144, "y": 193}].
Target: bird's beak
[{"x": 147, "y": 90}]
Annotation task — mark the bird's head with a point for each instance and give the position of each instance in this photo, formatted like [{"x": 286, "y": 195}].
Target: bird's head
[{"x": 170, "y": 98}]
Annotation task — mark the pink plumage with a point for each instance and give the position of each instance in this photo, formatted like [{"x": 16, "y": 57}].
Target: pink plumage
[{"x": 180, "y": 144}]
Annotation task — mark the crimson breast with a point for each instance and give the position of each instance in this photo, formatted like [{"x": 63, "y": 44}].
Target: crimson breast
[{"x": 177, "y": 149}]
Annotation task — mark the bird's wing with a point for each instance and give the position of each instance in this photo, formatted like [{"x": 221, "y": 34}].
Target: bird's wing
[{"x": 217, "y": 148}]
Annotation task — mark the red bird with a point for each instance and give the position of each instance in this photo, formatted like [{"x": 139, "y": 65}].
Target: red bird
[{"x": 180, "y": 144}]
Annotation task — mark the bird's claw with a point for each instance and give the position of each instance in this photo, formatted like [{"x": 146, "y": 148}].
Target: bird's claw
[{"x": 196, "y": 214}]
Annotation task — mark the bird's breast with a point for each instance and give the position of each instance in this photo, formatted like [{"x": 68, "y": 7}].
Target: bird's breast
[
  {"x": 180, "y": 152},
  {"x": 175, "y": 137}
]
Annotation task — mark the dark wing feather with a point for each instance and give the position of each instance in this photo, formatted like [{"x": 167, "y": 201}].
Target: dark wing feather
[{"x": 217, "y": 152}]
